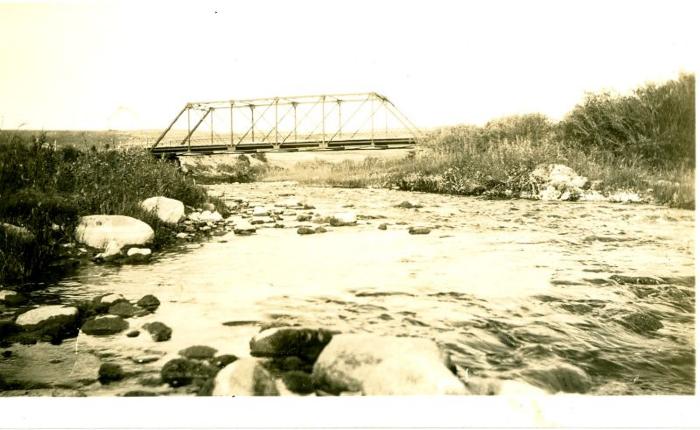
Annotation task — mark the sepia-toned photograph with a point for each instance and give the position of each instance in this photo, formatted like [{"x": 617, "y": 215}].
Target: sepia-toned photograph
[{"x": 323, "y": 199}]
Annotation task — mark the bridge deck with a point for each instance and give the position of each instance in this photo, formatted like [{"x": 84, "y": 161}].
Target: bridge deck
[{"x": 391, "y": 142}]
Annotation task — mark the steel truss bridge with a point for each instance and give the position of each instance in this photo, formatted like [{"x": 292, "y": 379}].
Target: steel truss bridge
[{"x": 327, "y": 121}]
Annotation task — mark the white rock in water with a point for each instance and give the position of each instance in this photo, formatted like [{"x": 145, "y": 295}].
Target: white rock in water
[
  {"x": 168, "y": 210},
  {"x": 244, "y": 227},
  {"x": 111, "y": 250},
  {"x": 343, "y": 219},
  {"x": 138, "y": 251},
  {"x": 98, "y": 231},
  {"x": 377, "y": 365},
  {"x": 260, "y": 211},
  {"x": 625, "y": 197},
  {"x": 181, "y": 235},
  {"x": 193, "y": 216},
  {"x": 44, "y": 313},
  {"x": 207, "y": 216},
  {"x": 244, "y": 377}
]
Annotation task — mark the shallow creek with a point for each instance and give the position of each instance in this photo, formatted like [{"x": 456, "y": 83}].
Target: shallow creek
[{"x": 508, "y": 287}]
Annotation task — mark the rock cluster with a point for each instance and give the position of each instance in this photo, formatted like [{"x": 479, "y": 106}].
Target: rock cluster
[
  {"x": 301, "y": 360},
  {"x": 104, "y": 315},
  {"x": 557, "y": 182}
]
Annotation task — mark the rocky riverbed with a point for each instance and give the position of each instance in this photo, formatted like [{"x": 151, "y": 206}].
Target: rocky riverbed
[{"x": 503, "y": 296}]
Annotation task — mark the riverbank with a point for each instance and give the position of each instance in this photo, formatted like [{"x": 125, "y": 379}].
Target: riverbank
[
  {"x": 45, "y": 191},
  {"x": 642, "y": 144}
]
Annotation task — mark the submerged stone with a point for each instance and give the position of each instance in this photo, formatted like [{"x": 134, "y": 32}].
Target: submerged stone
[
  {"x": 418, "y": 230},
  {"x": 408, "y": 205},
  {"x": 200, "y": 352},
  {"x": 642, "y": 322},
  {"x": 343, "y": 219},
  {"x": 305, "y": 230},
  {"x": 123, "y": 309},
  {"x": 149, "y": 302},
  {"x": 104, "y": 325},
  {"x": 110, "y": 372},
  {"x": 159, "y": 331},
  {"x": 560, "y": 378},
  {"x": 182, "y": 371}
]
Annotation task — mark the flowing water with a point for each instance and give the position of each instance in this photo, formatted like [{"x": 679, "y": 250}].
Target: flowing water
[{"x": 510, "y": 288}]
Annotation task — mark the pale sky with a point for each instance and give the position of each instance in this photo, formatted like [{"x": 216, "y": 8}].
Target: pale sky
[{"x": 130, "y": 65}]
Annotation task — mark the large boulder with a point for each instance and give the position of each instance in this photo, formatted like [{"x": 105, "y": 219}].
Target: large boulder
[
  {"x": 557, "y": 182},
  {"x": 377, "y": 365},
  {"x": 290, "y": 341},
  {"x": 244, "y": 377},
  {"x": 98, "y": 231},
  {"x": 168, "y": 210},
  {"x": 51, "y": 323},
  {"x": 45, "y": 314}
]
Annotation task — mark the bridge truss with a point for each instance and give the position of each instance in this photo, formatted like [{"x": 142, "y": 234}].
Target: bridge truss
[{"x": 327, "y": 121}]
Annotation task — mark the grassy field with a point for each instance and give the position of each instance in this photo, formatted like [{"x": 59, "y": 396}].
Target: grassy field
[
  {"x": 45, "y": 190},
  {"x": 643, "y": 142},
  {"x": 85, "y": 139}
]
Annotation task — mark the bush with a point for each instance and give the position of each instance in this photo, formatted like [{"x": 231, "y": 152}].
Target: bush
[
  {"x": 46, "y": 190},
  {"x": 656, "y": 121}
]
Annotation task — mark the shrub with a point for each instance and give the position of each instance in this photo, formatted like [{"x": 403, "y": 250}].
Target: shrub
[
  {"x": 656, "y": 121},
  {"x": 45, "y": 190}
]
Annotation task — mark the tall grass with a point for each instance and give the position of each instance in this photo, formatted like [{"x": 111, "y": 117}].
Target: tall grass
[
  {"x": 656, "y": 123},
  {"x": 643, "y": 142},
  {"x": 45, "y": 190}
]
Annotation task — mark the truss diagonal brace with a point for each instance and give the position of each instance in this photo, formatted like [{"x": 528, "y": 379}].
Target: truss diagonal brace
[{"x": 187, "y": 138}]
